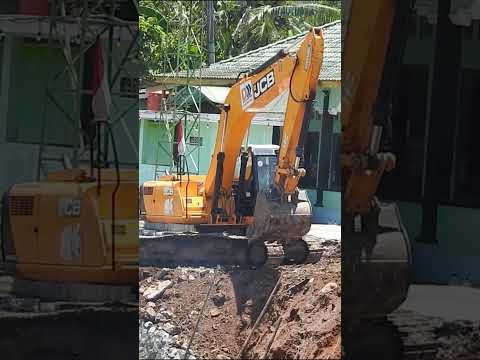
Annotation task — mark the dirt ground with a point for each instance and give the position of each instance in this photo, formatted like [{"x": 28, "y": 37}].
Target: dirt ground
[{"x": 307, "y": 301}]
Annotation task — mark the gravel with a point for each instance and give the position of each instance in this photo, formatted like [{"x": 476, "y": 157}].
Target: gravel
[{"x": 157, "y": 343}]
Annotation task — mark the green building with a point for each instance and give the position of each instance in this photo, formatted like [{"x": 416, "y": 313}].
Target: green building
[
  {"x": 435, "y": 121},
  {"x": 40, "y": 111},
  {"x": 210, "y": 86}
]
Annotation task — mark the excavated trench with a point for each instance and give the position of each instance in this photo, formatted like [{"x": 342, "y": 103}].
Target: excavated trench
[{"x": 227, "y": 302}]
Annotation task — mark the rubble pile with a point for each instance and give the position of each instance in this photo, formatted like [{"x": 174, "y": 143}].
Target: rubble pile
[
  {"x": 160, "y": 341},
  {"x": 434, "y": 338},
  {"x": 160, "y": 337},
  {"x": 309, "y": 306},
  {"x": 173, "y": 300},
  {"x": 458, "y": 340}
]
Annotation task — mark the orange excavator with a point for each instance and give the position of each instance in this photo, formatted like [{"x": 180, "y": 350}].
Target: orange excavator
[
  {"x": 73, "y": 236},
  {"x": 376, "y": 256},
  {"x": 250, "y": 191}
]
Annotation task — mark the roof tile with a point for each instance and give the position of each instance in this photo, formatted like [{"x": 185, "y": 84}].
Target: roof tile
[{"x": 230, "y": 68}]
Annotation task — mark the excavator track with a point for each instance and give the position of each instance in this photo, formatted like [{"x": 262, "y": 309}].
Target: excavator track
[
  {"x": 195, "y": 249},
  {"x": 13, "y": 286}
]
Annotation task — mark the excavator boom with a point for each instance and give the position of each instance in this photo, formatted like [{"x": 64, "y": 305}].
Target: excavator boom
[{"x": 375, "y": 247}]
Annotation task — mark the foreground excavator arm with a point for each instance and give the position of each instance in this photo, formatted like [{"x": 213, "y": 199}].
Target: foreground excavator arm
[
  {"x": 371, "y": 56},
  {"x": 376, "y": 255}
]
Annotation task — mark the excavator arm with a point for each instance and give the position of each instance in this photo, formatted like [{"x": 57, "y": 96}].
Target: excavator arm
[
  {"x": 245, "y": 99},
  {"x": 372, "y": 52},
  {"x": 375, "y": 246},
  {"x": 302, "y": 92},
  {"x": 293, "y": 70}
]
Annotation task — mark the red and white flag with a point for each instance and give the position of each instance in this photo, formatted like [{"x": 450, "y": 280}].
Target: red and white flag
[
  {"x": 101, "y": 90},
  {"x": 180, "y": 139}
]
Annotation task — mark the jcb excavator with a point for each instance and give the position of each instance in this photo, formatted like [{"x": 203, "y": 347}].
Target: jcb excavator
[
  {"x": 74, "y": 236},
  {"x": 250, "y": 191},
  {"x": 376, "y": 255}
]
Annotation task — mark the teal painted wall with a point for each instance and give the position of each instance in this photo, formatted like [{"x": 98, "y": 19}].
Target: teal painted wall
[
  {"x": 457, "y": 249},
  {"x": 32, "y": 68},
  {"x": 155, "y": 143}
]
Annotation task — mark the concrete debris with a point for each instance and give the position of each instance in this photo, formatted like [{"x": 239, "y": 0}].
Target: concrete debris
[
  {"x": 171, "y": 329},
  {"x": 157, "y": 291},
  {"x": 215, "y": 312},
  {"x": 156, "y": 343},
  {"x": 329, "y": 288},
  {"x": 151, "y": 313}
]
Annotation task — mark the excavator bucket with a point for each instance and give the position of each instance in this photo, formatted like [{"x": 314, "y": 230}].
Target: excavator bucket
[{"x": 277, "y": 221}]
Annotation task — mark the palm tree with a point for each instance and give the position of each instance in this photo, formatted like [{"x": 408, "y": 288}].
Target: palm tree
[{"x": 274, "y": 20}]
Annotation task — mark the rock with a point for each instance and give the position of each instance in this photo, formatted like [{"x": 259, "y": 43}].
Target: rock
[
  {"x": 329, "y": 288},
  {"x": 177, "y": 354},
  {"x": 151, "y": 304},
  {"x": 218, "y": 299},
  {"x": 144, "y": 273},
  {"x": 191, "y": 277},
  {"x": 161, "y": 274},
  {"x": 309, "y": 308},
  {"x": 171, "y": 329},
  {"x": 151, "y": 314},
  {"x": 152, "y": 329},
  {"x": 183, "y": 277},
  {"x": 155, "y": 292},
  {"x": 147, "y": 324},
  {"x": 215, "y": 312},
  {"x": 160, "y": 317}
]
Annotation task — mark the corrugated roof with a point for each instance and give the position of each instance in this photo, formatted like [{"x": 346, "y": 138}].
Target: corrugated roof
[{"x": 230, "y": 68}]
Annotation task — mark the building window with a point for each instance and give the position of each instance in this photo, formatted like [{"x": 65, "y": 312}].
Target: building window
[
  {"x": 334, "y": 181},
  {"x": 195, "y": 140},
  {"x": 129, "y": 87},
  {"x": 310, "y": 161},
  {"x": 419, "y": 27},
  {"x": 466, "y": 176},
  {"x": 408, "y": 135}
]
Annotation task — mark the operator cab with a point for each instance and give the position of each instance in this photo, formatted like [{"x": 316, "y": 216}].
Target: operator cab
[{"x": 256, "y": 174}]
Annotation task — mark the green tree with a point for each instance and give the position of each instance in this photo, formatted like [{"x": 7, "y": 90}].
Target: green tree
[
  {"x": 164, "y": 28},
  {"x": 270, "y": 21},
  {"x": 240, "y": 26}
]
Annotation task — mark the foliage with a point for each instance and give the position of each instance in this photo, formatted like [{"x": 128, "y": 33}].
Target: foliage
[{"x": 171, "y": 29}]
